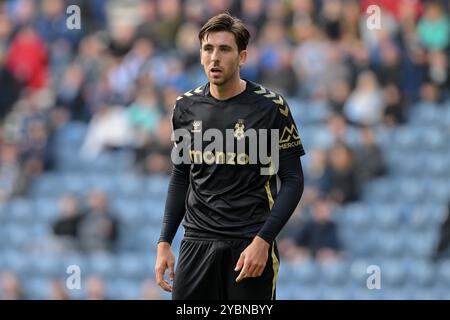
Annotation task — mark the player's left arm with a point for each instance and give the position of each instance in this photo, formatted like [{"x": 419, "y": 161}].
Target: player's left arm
[{"x": 253, "y": 259}]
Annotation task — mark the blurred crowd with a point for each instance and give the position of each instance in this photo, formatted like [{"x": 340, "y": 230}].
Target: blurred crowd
[{"x": 130, "y": 60}]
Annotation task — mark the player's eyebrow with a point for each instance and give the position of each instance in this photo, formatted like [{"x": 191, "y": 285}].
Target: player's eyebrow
[{"x": 222, "y": 46}]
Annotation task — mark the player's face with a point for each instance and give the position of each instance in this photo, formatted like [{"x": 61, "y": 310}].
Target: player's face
[{"x": 220, "y": 57}]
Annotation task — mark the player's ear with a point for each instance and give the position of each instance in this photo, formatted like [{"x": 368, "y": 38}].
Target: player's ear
[{"x": 242, "y": 57}]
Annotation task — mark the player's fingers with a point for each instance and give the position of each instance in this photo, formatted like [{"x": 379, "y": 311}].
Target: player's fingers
[
  {"x": 159, "y": 274},
  {"x": 240, "y": 263},
  {"x": 171, "y": 271},
  {"x": 166, "y": 286},
  {"x": 243, "y": 273}
]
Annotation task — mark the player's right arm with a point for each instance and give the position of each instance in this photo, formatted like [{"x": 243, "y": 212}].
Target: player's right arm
[{"x": 173, "y": 215}]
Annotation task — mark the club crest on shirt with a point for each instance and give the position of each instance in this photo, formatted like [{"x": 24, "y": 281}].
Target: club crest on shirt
[
  {"x": 239, "y": 129},
  {"x": 197, "y": 126}
]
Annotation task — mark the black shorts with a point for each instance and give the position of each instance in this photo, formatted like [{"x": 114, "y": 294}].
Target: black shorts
[{"x": 205, "y": 270}]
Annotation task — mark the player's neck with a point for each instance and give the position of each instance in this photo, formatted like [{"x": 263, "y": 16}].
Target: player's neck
[{"x": 227, "y": 90}]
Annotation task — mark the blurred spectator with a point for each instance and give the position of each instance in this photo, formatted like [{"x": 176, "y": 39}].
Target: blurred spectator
[
  {"x": 433, "y": 29},
  {"x": 153, "y": 156},
  {"x": 12, "y": 180},
  {"x": 317, "y": 175},
  {"x": 100, "y": 137},
  {"x": 150, "y": 291},
  {"x": 438, "y": 68},
  {"x": 429, "y": 94},
  {"x": 51, "y": 24},
  {"x": 388, "y": 68},
  {"x": 365, "y": 106},
  {"x": 144, "y": 114},
  {"x": 318, "y": 238},
  {"x": 11, "y": 287},
  {"x": 369, "y": 161},
  {"x": 343, "y": 178},
  {"x": 10, "y": 88},
  {"x": 36, "y": 154},
  {"x": 58, "y": 291},
  {"x": 27, "y": 59},
  {"x": 394, "y": 109},
  {"x": 98, "y": 227},
  {"x": 166, "y": 26},
  {"x": 95, "y": 289},
  {"x": 69, "y": 92},
  {"x": 443, "y": 247},
  {"x": 66, "y": 225},
  {"x": 338, "y": 93}
]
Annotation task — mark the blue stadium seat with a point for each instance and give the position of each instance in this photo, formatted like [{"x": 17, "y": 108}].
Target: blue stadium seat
[
  {"x": 393, "y": 273},
  {"x": 443, "y": 273},
  {"x": 129, "y": 185},
  {"x": 409, "y": 190},
  {"x": 100, "y": 181},
  {"x": 36, "y": 287},
  {"x": 156, "y": 185},
  {"x": 438, "y": 164},
  {"x": 427, "y": 216},
  {"x": 131, "y": 266},
  {"x": 46, "y": 209},
  {"x": 305, "y": 272},
  {"x": 308, "y": 292},
  {"x": 15, "y": 261},
  {"x": 359, "y": 272},
  {"x": 335, "y": 273},
  {"x": 379, "y": 190},
  {"x": 388, "y": 244},
  {"x": 433, "y": 138},
  {"x": 421, "y": 273},
  {"x": 406, "y": 138},
  {"x": 420, "y": 244},
  {"x": 16, "y": 235},
  {"x": 129, "y": 211},
  {"x": 438, "y": 190},
  {"x": 47, "y": 184},
  {"x": 424, "y": 114},
  {"x": 73, "y": 182},
  {"x": 103, "y": 264},
  {"x": 47, "y": 266},
  {"x": 387, "y": 216},
  {"x": 19, "y": 210},
  {"x": 357, "y": 216},
  {"x": 73, "y": 133},
  {"x": 153, "y": 210},
  {"x": 123, "y": 289}
]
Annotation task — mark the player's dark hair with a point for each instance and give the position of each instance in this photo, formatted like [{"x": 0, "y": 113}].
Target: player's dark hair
[{"x": 226, "y": 22}]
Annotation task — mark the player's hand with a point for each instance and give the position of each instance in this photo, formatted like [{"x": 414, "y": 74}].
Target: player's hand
[
  {"x": 164, "y": 260},
  {"x": 253, "y": 259}
]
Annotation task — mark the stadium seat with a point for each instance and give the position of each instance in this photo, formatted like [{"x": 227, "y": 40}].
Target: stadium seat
[
  {"x": 387, "y": 216},
  {"x": 421, "y": 273},
  {"x": 122, "y": 289},
  {"x": 46, "y": 209},
  {"x": 305, "y": 272},
  {"x": 388, "y": 244},
  {"x": 420, "y": 244},
  {"x": 443, "y": 273},
  {"x": 334, "y": 273},
  {"x": 103, "y": 264},
  {"x": 19, "y": 210},
  {"x": 72, "y": 133},
  {"x": 357, "y": 216},
  {"x": 131, "y": 266}
]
